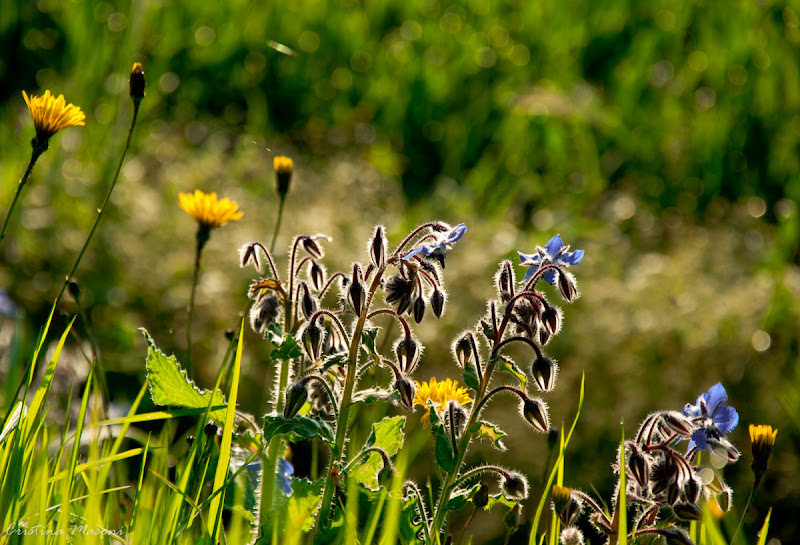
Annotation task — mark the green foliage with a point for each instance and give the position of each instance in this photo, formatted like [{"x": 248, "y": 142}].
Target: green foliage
[
  {"x": 387, "y": 435},
  {"x": 489, "y": 431},
  {"x": 443, "y": 446},
  {"x": 296, "y": 428},
  {"x": 507, "y": 364},
  {"x": 170, "y": 385}
]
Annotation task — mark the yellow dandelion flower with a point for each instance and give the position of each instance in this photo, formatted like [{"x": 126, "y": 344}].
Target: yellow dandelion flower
[
  {"x": 439, "y": 393},
  {"x": 51, "y": 114},
  {"x": 209, "y": 212},
  {"x": 762, "y": 438},
  {"x": 283, "y": 174}
]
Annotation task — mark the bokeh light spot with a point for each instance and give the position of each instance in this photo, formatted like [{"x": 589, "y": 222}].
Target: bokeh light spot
[
  {"x": 205, "y": 36},
  {"x": 309, "y": 41},
  {"x": 169, "y": 82},
  {"x": 756, "y": 206},
  {"x": 761, "y": 340}
]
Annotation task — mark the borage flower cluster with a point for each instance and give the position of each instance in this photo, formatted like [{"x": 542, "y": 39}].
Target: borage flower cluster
[
  {"x": 665, "y": 479},
  {"x": 323, "y": 327}
]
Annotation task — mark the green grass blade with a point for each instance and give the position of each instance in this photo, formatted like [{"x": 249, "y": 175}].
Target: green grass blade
[
  {"x": 762, "y": 535},
  {"x": 621, "y": 511},
  {"x": 135, "y": 509},
  {"x": 543, "y": 500},
  {"x": 215, "y": 509}
]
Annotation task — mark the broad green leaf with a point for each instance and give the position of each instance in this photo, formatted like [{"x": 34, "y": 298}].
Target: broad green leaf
[
  {"x": 287, "y": 348},
  {"x": 508, "y": 365},
  {"x": 489, "y": 431},
  {"x": 459, "y": 498},
  {"x": 170, "y": 385},
  {"x": 386, "y": 434},
  {"x": 442, "y": 444},
  {"x": 299, "y": 427},
  {"x": 471, "y": 375},
  {"x": 371, "y": 395},
  {"x": 304, "y": 503}
]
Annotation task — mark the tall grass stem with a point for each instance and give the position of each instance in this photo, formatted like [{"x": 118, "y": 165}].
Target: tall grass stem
[{"x": 35, "y": 153}]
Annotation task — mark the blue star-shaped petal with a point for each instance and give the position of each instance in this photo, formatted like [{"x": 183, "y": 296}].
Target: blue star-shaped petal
[
  {"x": 440, "y": 245},
  {"x": 284, "y": 472},
  {"x": 554, "y": 252},
  {"x": 712, "y": 415}
]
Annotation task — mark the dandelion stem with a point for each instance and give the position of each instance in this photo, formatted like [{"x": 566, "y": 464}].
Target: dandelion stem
[
  {"x": 35, "y": 153},
  {"x": 103, "y": 206},
  {"x": 277, "y": 225},
  {"x": 202, "y": 238},
  {"x": 750, "y": 501}
]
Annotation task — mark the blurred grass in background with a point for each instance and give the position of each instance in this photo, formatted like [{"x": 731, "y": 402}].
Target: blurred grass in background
[{"x": 662, "y": 137}]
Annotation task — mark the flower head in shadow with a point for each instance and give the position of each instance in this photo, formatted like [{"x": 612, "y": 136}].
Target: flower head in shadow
[
  {"x": 50, "y": 115},
  {"x": 554, "y": 252},
  {"x": 438, "y": 248}
]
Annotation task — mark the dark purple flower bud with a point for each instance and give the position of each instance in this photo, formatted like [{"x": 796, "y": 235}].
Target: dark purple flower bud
[
  {"x": 567, "y": 286},
  {"x": 296, "y": 396},
  {"x": 676, "y": 422},
  {"x": 544, "y": 336},
  {"x": 312, "y": 337},
  {"x": 356, "y": 293},
  {"x": 638, "y": 464},
  {"x": 419, "y": 309},
  {"x": 692, "y": 489},
  {"x": 673, "y": 493},
  {"x": 437, "y": 302},
  {"x": 307, "y": 303},
  {"x": 535, "y": 412},
  {"x": 544, "y": 371},
  {"x": 665, "y": 473},
  {"x": 249, "y": 254},
  {"x": 210, "y": 429},
  {"x": 311, "y": 246},
  {"x": 264, "y": 312},
  {"x": 675, "y": 536},
  {"x": 377, "y": 248},
  {"x": 407, "y": 390},
  {"x": 137, "y": 82},
  {"x": 462, "y": 349},
  {"x": 688, "y": 511},
  {"x": 504, "y": 281},
  {"x": 408, "y": 351},
  {"x": 551, "y": 319},
  {"x": 317, "y": 276},
  {"x": 481, "y": 497},
  {"x": 515, "y": 486},
  {"x": 456, "y": 418}
]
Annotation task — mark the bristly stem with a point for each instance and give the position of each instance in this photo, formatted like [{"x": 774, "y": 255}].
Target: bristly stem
[
  {"x": 277, "y": 225},
  {"x": 35, "y": 153},
  {"x": 102, "y": 206}
]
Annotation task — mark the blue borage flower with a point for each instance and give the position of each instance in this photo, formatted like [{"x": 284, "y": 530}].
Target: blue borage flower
[
  {"x": 554, "y": 252},
  {"x": 440, "y": 245},
  {"x": 712, "y": 415},
  {"x": 285, "y": 472}
]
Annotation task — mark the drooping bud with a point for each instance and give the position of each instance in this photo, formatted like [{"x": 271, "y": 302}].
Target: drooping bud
[
  {"x": 481, "y": 497},
  {"x": 317, "y": 275},
  {"x": 438, "y": 298},
  {"x": 725, "y": 498},
  {"x": 407, "y": 390},
  {"x": 407, "y": 351},
  {"x": 264, "y": 312},
  {"x": 283, "y": 174},
  {"x": 535, "y": 412},
  {"x": 692, "y": 489},
  {"x": 544, "y": 371},
  {"x": 312, "y": 337},
  {"x": 565, "y": 505},
  {"x": 639, "y": 466},
  {"x": 551, "y": 319},
  {"x": 312, "y": 247},
  {"x": 664, "y": 474},
  {"x": 505, "y": 280},
  {"x": 399, "y": 290},
  {"x": 673, "y": 493},
  {"x": 356, "y": 293},
  {"x": 675, "y": 536},
  {"x": 296, "y": 397},
  {"x": 515, "y": 486},
  {"x": 544, "y": 336},
  {"x": 688, "y": 511},
  {"x": 249, "y": 254},
  {"x": 137, "y": 82},
  {"x": 462, "y": 349},
  {"x": 676, "y": 422},
  {"x": 567, "y": 286},
  {"x": 377, "y": 249},
  {"x": 308, "y": 304},
  {"x": 419, "y": 309}
]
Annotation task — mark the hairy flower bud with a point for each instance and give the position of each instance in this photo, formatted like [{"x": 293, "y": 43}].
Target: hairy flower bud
[
  {"x": 296, "y": 396},
  {"x": 504, "y": 281},
  {"x": 571, "y": 536},
  {"x": 419, "y": 309},
  {"x": 312, "y": 247},
  {"x": 725, "y": 498},
  {"x": 408, "y": 351},
  {"x": 639, "y": 465},
  {"x": 567, "y": 286},
  {"x": 688, "y": 511},
  {"x": 462, "y": 349},
  {"x": 544, "y": 371},
  {"x": 456, "y": 417},
  {"x": 565, "y": 505},
  {"x": 515, "y": 486},
  {"x": 356, "y": 292},
  {"x": 535, "y": 412},
  {"x": 692, "y": 489},
  {"x": 137, "y": 82},
  {"x": 481, "y": 497},
  {"x": 437, "y": 302},
  {"x": 264, "y": 312},
  {"x": 675, "y": 536},
  {"x": 308, "y": 304},
  {"x": 377, "y": 249},
  {"x": 312, "y": 337},
  {"x": 551, "y": 319},
  {"x": 317, "y": 275},
  {"x": 406, "y": 389}
]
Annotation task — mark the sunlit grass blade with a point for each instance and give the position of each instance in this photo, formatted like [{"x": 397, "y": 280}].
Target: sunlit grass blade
[
  {"x": 122, "y": 433},
  {"x": 80, "y": 468},
  {"x": 620, "y": 522},
  {"x": 215, "y": 509},
  {"x": 135, "y": 508},
  {"x": 762, "y": 535},
  {"x": 543, "y": 500},
  {"x": 390, "y": 526}
]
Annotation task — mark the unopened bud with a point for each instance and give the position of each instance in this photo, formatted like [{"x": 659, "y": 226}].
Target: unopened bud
[
  {"x": 356, "y": 293},
  {"x": 283, "y": 174},
  {"x": 725, "y": 498},
  {"x": 408, "y": 352},
  {"x": 505, "y": 280},
  {"x": 481, "y": 497},
  {"x": 512, "y": 518},
  {"x": 535, "y": 412},
  {"x": 462, "y": 349},
  {"x": 407, "y": 390},
  {"x": 308, "y": 304},
  {"x": 74, "y": 289},
  {"x": 457, "y": 417},
  {"x": 675, "y": 536},
  {"x": 210, "y": 429},
  {"x": 317, "y": 275},
  {"x": 571, "y": 536},
  {"x": 437, "y": 302},
  {"x": 312, "y": 247},
  {"x": 676, "y": 422},
  {"x": 137, "y": 82},
  {"x": 692, "y": 489},
  {"x": 762, "y": 439},
  {"x": 567, "y": 286},
  {"x": 639, "y": 466},
  {"x": 544, "y": 336},
  {"x": 515, "y": 486},
  {"x": 377, "y": 249},
  {"x": 419, "y": 309},
  {"x": 544, "y": 371},
  {"x": 312, "y": 337},
  {"x": 551, "y": 319},
  {"x": 296, "y": 397},
  {"x": 565, "y": 505},
  {"x": 688, "y": 511}
]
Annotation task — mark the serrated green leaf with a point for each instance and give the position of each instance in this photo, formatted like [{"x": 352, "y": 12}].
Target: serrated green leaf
[
  {"x": 372, "y": 395},
  {"x": 286, "y": 348},
  {"x": 386, "y": 434},
  {"x": 304, "y": 503},
  {"x": 487, "y": 330},
  {"x": 499, "y": 499},
  {"x": 489, "y": 431},
  {"x": 471, "y": 375},
  {"x": 442, "y": 445},
  {"x": 508, "y": 365},
  {"x": 459, "y": 498},
  {"x": 368, "y": 337},
  {"x": 170, "y": 385},
  {"x": 337, "y": 359},
  {"x": 299, "y": 427}
]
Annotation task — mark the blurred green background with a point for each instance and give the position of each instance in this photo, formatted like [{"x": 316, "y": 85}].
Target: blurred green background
[{"x": 661, "y": 137}]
